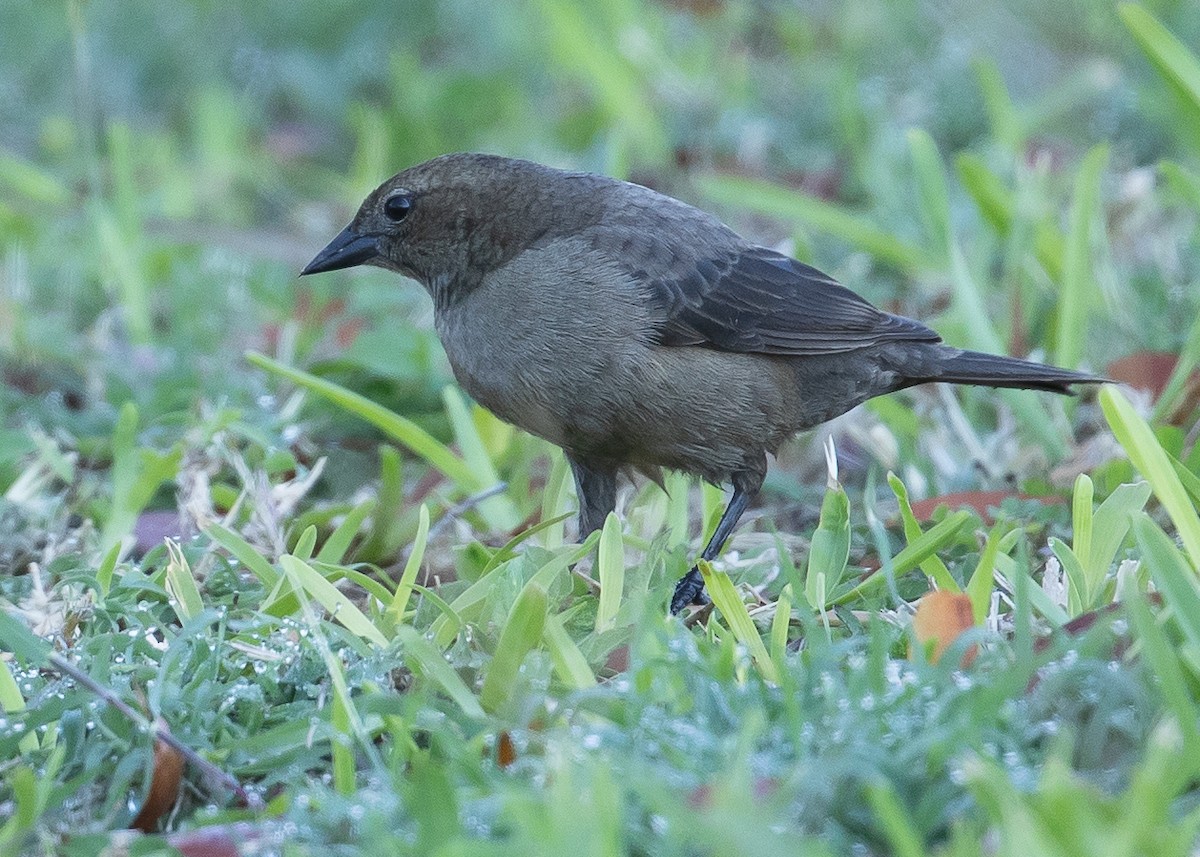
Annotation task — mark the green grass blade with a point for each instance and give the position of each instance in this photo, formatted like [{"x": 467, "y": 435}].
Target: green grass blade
[
  {"x": 725, "y": 597},
  {"x": 1110, "y": 525},
  {"x": 829, "y": 550},
  {"x": 11, "y": 702},
  {"x": 499, "y": 511},
  {"x": 895, "y": 819},
  {"x": 1082, "y": 518},
  {"x": 1149, "y": 457},
  {"x": 16, "y": 637},
  {"x": 468, "y": 602},
  {"x": 409, "y": 576},
  {"x": 931, "y": 541},
  {"x": 569, "y": 662},
  {"x": 1171, "y": 574},
  {"x": 181, "y": 585},
  {"x": 382, "y": 538},
  {"x": 519, "y": 636},
  {"x": 245, "y": 553},
  {"x": 979, "y": 587},
  {"x": 933, "y": 567},
  {"x": 1166, "y": 666},
  {"x": 335, "y": 547},
  {"x": 108, "y": 565},
  {"x": 1189, "y": 357},
  {"x": 304, "y": 576},
  {"x": 1169, "y": 55},
  {"x": 780, "y": 625},
  {"x": 610, "y": 569},
  {"x": 1079, "y": 594},
  {"x": 427, "y": 659},
  {"x": 405, "y": 432}
]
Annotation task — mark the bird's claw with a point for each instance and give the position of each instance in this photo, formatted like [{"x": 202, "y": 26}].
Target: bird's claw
[{"x": 689, "y": 590}]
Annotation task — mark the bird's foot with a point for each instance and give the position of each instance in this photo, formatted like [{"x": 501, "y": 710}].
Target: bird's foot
[{"x": 689, "y": 590}]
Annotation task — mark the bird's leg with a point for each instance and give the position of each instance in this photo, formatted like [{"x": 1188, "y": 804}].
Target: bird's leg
[
  {"x": 691, "y": 586},
  {"x": 596, "y": 487}
]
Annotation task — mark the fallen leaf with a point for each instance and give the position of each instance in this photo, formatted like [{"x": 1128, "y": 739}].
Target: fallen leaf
[
  {"x": 164, "y": 785},
  {"x": 981, "y": 501},
  {"x": 940, "y": 619},
  {"x": 1145, "y": 370},
  {"x": 222, "y": 840},
  {"x": 506, "y": 752}
]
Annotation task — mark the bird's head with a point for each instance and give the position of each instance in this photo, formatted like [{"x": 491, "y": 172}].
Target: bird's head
[{"x": 449, "y": 221}]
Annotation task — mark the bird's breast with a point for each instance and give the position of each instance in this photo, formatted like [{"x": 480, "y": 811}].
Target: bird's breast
[{"x": 545, "y": 344}]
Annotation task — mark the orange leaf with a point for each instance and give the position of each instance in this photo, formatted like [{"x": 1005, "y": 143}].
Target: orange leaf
[
  {"x": 506, "y": 751},
  {"x": 164, "y": 786},
  {"x": 940, "y": 618}
]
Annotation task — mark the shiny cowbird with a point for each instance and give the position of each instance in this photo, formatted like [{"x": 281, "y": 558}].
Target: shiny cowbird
[{"x": 637, "y": 332}]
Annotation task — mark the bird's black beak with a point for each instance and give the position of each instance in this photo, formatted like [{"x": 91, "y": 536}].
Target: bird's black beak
[{"x": 345, "y": 251}]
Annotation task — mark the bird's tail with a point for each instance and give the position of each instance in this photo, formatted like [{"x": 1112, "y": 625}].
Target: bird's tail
[{"x": 954, "y": 366}]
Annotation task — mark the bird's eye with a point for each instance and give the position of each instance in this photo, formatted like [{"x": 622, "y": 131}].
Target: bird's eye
[{"x": 396, "y": 207}]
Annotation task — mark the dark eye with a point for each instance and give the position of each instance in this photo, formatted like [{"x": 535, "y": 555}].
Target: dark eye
[{"x": 396, "y": 207}]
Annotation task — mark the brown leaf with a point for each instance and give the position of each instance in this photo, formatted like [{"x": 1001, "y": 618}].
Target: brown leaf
[
  {"x": 164, "y": 785},
  {"x": 222, "y": 840},
  {"x": 1145, "y": 370},
  {"x": 981, "y": 501},
  {"x": 506, "y": 751},
  {"x": 940, "y": 618}
]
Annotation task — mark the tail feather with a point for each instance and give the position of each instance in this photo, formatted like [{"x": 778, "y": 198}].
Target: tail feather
[{"x": 993, "y": 370}]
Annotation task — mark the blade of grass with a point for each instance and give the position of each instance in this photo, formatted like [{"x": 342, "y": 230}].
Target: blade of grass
[
  {"x": 425, "y": 657},
  {"x": 245, "y": 553},
  {"x": 931, "y": 541},
  {"x": 1078, "y": 592},
  {"x": 780, "y": 624},
  {"x": 725, "y": 597},
  {"x": 979, "y": 587},
  {"x": 933, "y": 567},
  {"x": 1148, "y": 456},
  {"x": 1169, "y": 55},
  {"x": 519, "y": 636},
  {"x": 464, "y": 607},
  {"x": 12, "y": 702},
  {"x": 304, "y": 577},
  {"x": 335, "y": 547},
  {"x": 1171, "y": 574},
  {"x": 382, "y": 538},
  {"x": 409, "y": 576},
  {"x": 181, "y": 585},
  {"x": 610, "y": 568},
  {"x": 1110, "y": 525},
  {"x": 569, "y": 662},
  {"x": 829, "y": 550},
  {"x": 405, "y": 432}
]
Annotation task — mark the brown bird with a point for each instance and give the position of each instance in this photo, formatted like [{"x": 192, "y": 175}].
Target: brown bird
[{"x": 637, "y": 332}]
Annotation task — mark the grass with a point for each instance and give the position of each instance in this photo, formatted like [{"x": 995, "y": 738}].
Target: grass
[{"x": 253, "y": 513}]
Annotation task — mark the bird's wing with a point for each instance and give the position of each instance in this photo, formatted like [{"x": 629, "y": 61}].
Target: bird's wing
[
  {"x": 751, "y": 299},
  {"x": 705, "y": 285}
]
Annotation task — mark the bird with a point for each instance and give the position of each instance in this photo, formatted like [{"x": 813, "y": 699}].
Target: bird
[{"x": 637, "y": 332}]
